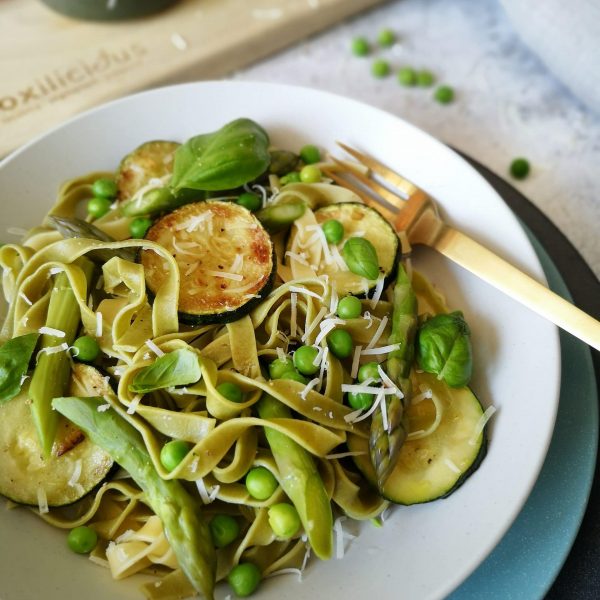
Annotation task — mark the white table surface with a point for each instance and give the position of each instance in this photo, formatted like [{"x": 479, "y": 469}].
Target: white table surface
[{"x": 507, "y": 103}]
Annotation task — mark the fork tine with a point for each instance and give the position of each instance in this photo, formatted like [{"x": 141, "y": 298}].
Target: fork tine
[
  {"x": 391, "y": 198},
  {"x": 383, "y": 210},
  {"x": 403, "y": 184}
]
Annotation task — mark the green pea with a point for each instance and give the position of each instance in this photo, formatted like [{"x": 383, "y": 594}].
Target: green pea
[
  {"x": 519, "y": 168},
  {"x": 223, "y": 530},
  {"x": 231, "y": 391},
  {"x": 250, "y": 201},
  {"x": 310, "y": 174},
  {"x": 310, "y": 154},
  {"x": 333, "y": 230},
  {"x": 369, "y": 370},
  {"x": 425, "y": 78},
  {"x": 105, "y": 188},
  {"x": 261, "y": 483},
  {"x": 82, "y": 539},
  {"x": 407, "y": 76},
  {"x": 139, "y": 227},
  {"x": 340, "y": 343},
  {"x": 444, "y": 94},
  {"x": 294, "y": 376},
  {"x": 291, "y": 177},
  {"x": 284, "y": 520},
  {"x": 386, "y": 38},
  {"x": 244, "y": 579},
  {"x": 173, "y": 452},
  {"x": 360, "y": 46},
  {"x": 304, "y": 358},
  {"x": 349, "y": 307},
  {"x": 98, "y": 207},
  {"x": 380, "y": 68},
  {"x": 360, "y": 400},
  {"x": 278, "y": 367},
  {"x": 86, "y": 349}
]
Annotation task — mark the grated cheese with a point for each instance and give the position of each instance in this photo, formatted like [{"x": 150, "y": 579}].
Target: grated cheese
[
  {"x": 154, "y": 348},
  {"x": 191, "y": 269},
  {"x": 362, "y": 388},
  {"x": 224, "y": 275},
  {"x": 451, "y": 465},
  {"x": 373, "y": 408},
  {"x": 53, "y": 349},
  {"x": 302, "y": 290},
  {"x": 485, "y": 417},
  {"x": 378, "y": 333},
  {"x": 326, "y": 326},
  {"x": 294, "y": 314},
  {"x": 368, "y": 317},
  {"x": 324, "y": 245},
  {"x": 317, "y": 360},
  {"x": 351, "y": 417},
  {"x": 205, "y": 495},
  {"x": 286, "y": 571},
  {"x": 103, "y": 407},
  {"x": 133, "y": 404},
  {"x": 384, "y": 416},
  {"x": 313, "y": 324},
  {"x": 338, "y": 259},
  {"x": 377, "y": 292},
  {"x": 55, "y": 270},
  {"x": 24, "y": 378},
  {"x": 309, "y": 386},
  {"x": 98, "y": 324},
  {"x": 194, "y": 222},
  {"x": 389, "y": 383},
  {"x": 179, "y": 41},
  {"x": 51, "y": 331},
  {"x": 439, "y": 412},
  {"x": 42, "y": 501},
  {"x": 75, "y": 476},
  {"x": 300, "y": 258},
  {"x": 380, "y": 350},
  {"x": 185, "y": 247},
  {"x": 345, "y": 454},
  {"x": 333, "y": 301},
  {"x": 237, "y": 264},
  {"x": 426, "y": 395}
]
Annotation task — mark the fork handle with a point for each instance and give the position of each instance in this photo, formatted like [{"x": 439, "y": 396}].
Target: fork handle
[{"x": 477, "y": 259}]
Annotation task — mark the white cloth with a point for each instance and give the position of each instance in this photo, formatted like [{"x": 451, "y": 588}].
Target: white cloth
[{"x": 565, "y": 34}]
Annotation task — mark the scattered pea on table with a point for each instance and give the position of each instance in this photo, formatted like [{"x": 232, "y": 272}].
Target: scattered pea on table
[
  {"x": 444, "y": 94},
  {"x": 519, "y": 168},
  {"x": 360, "y": 46},
  {"x": 407, "y": 76},
  {"x": 380, "y": 68}
]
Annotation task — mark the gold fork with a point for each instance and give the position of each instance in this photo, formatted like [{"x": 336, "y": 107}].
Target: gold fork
[{"x": 416, "y": 218}]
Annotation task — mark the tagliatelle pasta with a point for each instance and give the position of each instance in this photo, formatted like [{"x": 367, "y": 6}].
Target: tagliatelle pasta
[{"x": 134, "y": 327}]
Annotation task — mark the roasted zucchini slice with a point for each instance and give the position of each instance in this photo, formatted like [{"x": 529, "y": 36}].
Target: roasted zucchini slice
[
  {"x": 150, "y": 161},
  {"x": 434, "y": 466},
  {"x": 358, "y": 220},
  {"x": 225, "y": 259},
  {"x": 76, "y": 465}
]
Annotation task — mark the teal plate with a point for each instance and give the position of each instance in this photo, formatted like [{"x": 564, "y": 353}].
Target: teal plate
[{"x": 530, "y": 556}]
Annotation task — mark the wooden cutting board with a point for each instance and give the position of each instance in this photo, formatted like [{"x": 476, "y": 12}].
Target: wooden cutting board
[{"x": 53, "y": 67}]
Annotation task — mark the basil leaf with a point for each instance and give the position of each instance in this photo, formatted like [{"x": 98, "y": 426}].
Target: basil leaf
[
  {"x": 361, "y": 257},
  {"x": 444, "y": 348},
  {"x": 180, "y": 367},
  {"x": 235, "y": 154},
  {"x": 14, "y": 361}
]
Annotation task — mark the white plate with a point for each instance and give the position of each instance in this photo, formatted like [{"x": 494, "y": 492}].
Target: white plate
[{"x": 423, "y": 552}]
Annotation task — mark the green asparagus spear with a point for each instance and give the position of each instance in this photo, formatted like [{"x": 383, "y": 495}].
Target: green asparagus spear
[
  {"x": 188, "y": 533},
  {"x": 77, "y": 228},
  {"x": 277, "y": 217},
  {"x": 51, "y": 375},
  {"x": 300, "y": 480},
  {"x": 385, "y": 444}
]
